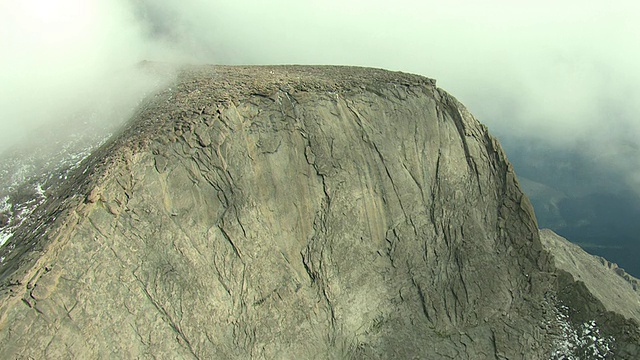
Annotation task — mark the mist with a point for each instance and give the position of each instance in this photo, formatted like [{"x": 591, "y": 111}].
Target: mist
[
  {"x": 560, "y": 74},
  {"x": 558, "y": 71},
  {"x": 70, "y": 64}
]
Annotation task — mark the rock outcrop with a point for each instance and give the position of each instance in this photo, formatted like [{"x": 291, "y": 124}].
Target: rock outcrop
[
  {"x": 291, "y": 212},
  {"x": 618, "y": 291},
  {"x": 596, "y": 296}
]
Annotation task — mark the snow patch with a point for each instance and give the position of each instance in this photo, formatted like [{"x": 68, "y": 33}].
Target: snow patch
[
  {"x": 39, "y": 190},
  {"x": 4, "y": 204},
  {"x": 4, "y": 236},
  {"x": 583, "y": 342}
]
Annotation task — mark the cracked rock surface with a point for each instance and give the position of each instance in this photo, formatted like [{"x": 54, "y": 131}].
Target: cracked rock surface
[{"x": 285, "y": 212}]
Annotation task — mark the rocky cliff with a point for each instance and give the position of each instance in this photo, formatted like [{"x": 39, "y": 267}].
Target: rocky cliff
[{"x": 294, "y": 212}]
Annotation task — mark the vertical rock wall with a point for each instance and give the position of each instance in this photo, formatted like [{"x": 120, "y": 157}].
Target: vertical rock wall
[{"x": 289, "y": 213}]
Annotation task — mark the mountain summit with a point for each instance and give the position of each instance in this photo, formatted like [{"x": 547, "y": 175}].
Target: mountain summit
[{"x": 297, "y": 212}]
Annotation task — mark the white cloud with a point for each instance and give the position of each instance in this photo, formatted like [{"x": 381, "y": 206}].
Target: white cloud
[{"x": 559, "y": 70}]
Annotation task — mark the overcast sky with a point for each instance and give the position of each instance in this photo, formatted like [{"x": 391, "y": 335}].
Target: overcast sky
[{"x": 564, "y": 71}]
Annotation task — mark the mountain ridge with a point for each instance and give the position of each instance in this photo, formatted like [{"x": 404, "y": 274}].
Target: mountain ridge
[{"x": 286, "y": 211}]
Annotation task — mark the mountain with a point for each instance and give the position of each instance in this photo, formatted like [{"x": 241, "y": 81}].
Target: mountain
[
  {"x": 297, "y": 212},
  {"x": 590, "y": 197},
  {"x": 612, "y": 286}
]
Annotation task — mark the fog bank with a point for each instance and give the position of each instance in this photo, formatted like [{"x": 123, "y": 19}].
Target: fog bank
[{"x": 564, "y": 73}]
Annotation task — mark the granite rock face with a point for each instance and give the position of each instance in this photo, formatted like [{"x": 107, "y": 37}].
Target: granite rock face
[{"x": 288, "y": 212}]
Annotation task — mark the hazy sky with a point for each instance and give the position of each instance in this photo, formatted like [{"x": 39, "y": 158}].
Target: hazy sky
[{"x": 565, "y": 71}]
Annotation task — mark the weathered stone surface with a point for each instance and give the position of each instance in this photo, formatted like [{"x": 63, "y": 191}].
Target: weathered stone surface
[
  {"x": 600, "y": 302},
  {"x": 286, "y": 212},
  {"x": 618, "y": 291}
]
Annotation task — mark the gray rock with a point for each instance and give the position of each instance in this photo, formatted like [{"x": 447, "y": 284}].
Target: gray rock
[
  {"x": 599, "y": 303},
  {"x": 287, "y": 212},
  {"x": 617, "y": 290}
]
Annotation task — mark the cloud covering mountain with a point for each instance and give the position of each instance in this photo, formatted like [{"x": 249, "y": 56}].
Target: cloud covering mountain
[
  {"x": 560, "y": 75},
  {"x": 558, "y": 71}
]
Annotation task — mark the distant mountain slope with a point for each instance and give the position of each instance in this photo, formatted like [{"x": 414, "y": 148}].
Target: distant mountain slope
[
  {"x": 295, "y": 212},
  {"x": 617, "y": 290}
]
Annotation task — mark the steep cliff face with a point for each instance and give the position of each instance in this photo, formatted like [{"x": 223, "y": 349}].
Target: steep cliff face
[{"x": 285, "y": 212}]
